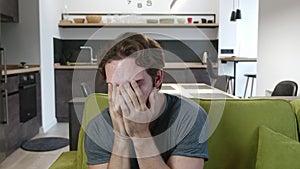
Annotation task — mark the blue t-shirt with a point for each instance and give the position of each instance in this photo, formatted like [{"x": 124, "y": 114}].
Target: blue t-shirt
[{"x": 179, "y": 130}]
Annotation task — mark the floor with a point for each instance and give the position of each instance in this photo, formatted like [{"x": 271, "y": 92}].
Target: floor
[{"x": 37, "y": 160}]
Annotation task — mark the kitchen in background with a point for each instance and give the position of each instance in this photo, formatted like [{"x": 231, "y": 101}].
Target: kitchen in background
[
  {"x": 20, "y": 108},
  {"x": 185, "y": 50}
]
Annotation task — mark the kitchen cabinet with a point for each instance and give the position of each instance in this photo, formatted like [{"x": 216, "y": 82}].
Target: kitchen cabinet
[
  {"x": 65, "y": 80},
  {"x": 9, "y": 10},
  {"x": 190, "y": 75},
  {"x": 16, "y": 132}
]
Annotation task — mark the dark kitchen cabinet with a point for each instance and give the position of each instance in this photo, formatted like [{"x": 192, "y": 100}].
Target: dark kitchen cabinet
[
  {"x": 9, "y": 10},
  {"x": 192, "y": 75},
  {"x": 16, "y": 132},
  {"x": 65, "y": 80}
]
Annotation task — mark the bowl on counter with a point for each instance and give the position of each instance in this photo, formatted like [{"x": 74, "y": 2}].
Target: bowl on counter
[{"x": 93, "y": 18}]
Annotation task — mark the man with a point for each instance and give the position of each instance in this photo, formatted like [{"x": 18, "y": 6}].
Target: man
[{"x": 143, "y": 128}]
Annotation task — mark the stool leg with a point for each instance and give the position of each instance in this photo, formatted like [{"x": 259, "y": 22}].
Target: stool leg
[
  {"x": 230, "y": 86},
  {"x": 252, "y": 86},
  {"x": 246, "y": 87}
]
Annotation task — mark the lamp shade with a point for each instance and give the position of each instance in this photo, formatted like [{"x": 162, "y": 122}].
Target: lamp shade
[
  {"x": 232, "y": 17},
  {"x": 238, "y": 14}
]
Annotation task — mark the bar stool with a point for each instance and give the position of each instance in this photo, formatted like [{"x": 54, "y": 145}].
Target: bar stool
[
  {"x": 230, "y": 86},
  {"x": 253, "y": 76}
]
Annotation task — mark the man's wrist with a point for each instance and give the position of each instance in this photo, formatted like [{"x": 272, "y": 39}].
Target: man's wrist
[
  {"x": 145, "y": 147},
  {"x": 121, "y": 145}
]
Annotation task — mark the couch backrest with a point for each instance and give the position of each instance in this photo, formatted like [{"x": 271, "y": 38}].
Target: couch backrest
[
  {"x": 296, "y": 106},
  {"x": 233, "y": 145}
]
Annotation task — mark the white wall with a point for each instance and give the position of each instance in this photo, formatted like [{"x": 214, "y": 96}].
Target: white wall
[
  {"x": 240, "y": 36},
  {"x": 278, "y": 43},
  {"x": 158, "y": 6},
  {"x": 21, "y": 40},
  {"x": 49, "y": 16},
  {"x": 49, "y": 29}
]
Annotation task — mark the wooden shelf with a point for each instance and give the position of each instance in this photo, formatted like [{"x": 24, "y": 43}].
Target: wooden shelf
[{"x": 88, "y": 25}]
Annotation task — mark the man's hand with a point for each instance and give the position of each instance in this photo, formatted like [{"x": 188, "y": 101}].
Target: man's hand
[
  {"x": 115, "y": 112},
  {"x": 136, "y": 115}
]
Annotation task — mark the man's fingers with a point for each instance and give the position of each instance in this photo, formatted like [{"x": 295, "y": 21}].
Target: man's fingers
[
  {"x": 123, "y": 106},
  {"x": 139, "y": 95},
  {"x": 110, "y": 89}
]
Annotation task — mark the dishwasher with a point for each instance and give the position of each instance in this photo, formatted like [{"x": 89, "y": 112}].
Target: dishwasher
[{"x": 27, "y": 96}]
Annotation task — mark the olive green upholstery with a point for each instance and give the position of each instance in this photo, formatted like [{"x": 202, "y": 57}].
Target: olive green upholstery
[
  {"x": 77, "y": 159},
  {"x": 296, "y": 106},
  {"x": 233, "y": 144}
]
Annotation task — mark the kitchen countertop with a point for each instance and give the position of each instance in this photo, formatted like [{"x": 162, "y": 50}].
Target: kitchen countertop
[
  {"x": 13, "y": 69},
  {"x": 168, "y": 65}
]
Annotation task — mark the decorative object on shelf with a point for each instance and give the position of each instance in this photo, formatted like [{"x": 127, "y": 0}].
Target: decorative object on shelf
[
  {"x": 65, "y": 22},
  {"x": 93, "y": 18},
  {"x": 65, "y": 11},
  {"x": 78, "y": 20},
  {"x": 166, "y": 20},
  {"x": 139, "y": 5},
  {"x": 181, "y": 20},
  {"x": 152, "y": 21},
  {"x": 149, "y": 3}
]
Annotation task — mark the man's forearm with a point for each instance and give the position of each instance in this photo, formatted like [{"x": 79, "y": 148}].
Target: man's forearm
[
  {"x": 120, "y": 153},
  {"x": 148, "y": 155}
]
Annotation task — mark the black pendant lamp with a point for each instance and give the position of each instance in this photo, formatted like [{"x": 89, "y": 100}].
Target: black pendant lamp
[
  {"x": 232, "y": 17},
  {"x": 238, "y": 14}
]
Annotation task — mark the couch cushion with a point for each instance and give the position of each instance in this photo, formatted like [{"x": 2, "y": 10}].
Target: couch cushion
[
  {"x": 276, "y": 151},
  {"x": 233, "y": 145},
  {"x": 67, "y": 160},
  {"x": 94, "y": 104}
]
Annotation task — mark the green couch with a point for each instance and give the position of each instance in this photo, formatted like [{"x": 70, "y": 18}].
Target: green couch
[{"x": 233, "y": 144}]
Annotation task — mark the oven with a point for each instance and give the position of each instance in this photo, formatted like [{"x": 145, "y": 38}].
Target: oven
[{"x": 27, "y": 96}]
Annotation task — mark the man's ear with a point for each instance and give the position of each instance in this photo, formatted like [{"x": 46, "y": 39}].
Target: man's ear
[{"x": 159, "y": 78}]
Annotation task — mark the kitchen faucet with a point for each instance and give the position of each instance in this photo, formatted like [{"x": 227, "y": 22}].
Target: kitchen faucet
[{"x": 91, "y": 53}]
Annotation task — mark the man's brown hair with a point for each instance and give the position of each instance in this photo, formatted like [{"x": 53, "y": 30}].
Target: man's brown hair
[{"x": 147, "y": 52}]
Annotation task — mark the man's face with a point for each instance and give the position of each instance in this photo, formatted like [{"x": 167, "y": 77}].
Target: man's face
[{"x": 125, "y": 70}]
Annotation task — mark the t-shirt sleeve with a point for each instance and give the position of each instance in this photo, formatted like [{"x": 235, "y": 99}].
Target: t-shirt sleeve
[
  {"x": 98, "y": 141},
  {"x": 95, "y": 154},
  {"x": 191, "y": 145}
]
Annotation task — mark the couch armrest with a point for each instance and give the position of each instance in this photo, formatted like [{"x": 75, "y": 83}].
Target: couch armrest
[{"x": 67, "y": 160}]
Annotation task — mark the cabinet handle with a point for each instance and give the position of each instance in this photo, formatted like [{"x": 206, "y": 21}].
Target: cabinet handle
[
  {"x": 27, "y": 86},
  {"x": 5, "y": 67},
  {"x": 5, "y": 64},
  {"x": 5, "y": 110}
]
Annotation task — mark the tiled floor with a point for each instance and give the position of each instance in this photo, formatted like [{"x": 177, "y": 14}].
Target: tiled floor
[{"x": 21, "y": 159}]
